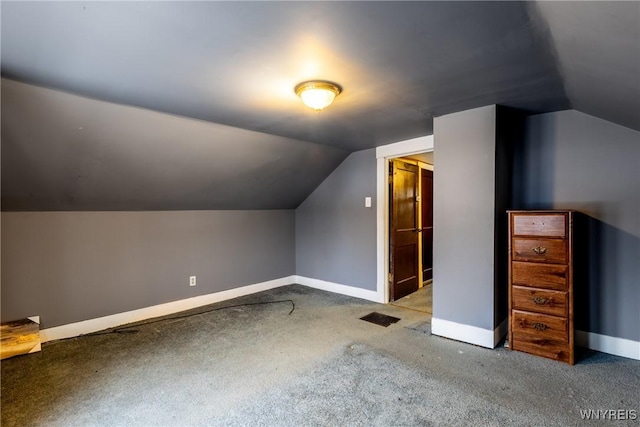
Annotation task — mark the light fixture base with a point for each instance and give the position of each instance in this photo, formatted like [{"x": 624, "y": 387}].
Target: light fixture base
[{"x": 317, "y": 94}]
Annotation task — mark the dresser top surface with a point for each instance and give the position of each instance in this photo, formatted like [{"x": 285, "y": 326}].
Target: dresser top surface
[{"x": 542, "y": 211}]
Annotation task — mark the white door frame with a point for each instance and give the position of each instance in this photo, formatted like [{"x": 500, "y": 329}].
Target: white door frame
[{"x": 383, "y": 154}]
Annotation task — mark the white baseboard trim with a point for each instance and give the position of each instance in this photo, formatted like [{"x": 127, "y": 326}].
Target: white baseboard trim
[
  {"x": 486, "y": 338},
  {"x": 500, "y": 332},
  {"x": 466, "y": 333},
  {"x": 339, "y": 289},
  {"x": 444, "y": 328},
  {"x": 106, "y": 322},
  {"x": 606, "y": 344}
]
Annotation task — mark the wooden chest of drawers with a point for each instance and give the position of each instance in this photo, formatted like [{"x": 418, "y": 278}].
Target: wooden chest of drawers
[{"x": 541, "y": 283}]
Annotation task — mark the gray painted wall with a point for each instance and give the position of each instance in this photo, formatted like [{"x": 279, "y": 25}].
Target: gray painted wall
[
  {"x": 62, "y": 152},
  {"x": 596, "y": 47},
  {"x": 509, "y": 135},
  {"x": 72, "y": 266},
  {"x": 464, "y": 196},
  {"x": 335, "y": 232},
  {"x": 575, "y": 161}
]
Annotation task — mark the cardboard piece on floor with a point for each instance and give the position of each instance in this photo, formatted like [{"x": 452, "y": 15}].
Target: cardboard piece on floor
[{"x": 20, "y": 337}]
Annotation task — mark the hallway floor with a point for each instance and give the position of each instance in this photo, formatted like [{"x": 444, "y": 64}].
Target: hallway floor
[{"x": 421, "y": 300}]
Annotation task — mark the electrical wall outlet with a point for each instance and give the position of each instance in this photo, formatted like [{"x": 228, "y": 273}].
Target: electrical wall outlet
[{"x": 192, "y": 280}]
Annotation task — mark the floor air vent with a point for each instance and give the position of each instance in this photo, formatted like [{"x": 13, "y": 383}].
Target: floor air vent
[{"x": 380, "y": 319}]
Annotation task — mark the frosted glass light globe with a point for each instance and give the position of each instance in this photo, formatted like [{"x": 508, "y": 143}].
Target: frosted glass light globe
[{"x": 317, "y": 94}]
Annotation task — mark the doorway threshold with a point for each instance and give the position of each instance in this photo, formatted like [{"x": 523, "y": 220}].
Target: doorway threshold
[{"x": 420, "y": 301}]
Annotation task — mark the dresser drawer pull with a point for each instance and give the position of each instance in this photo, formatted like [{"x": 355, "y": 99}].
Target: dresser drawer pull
[
  {"x": 541, "y": 300},
  {"x": 539, "y": 250},
  {"x": 540, "y": 326}
]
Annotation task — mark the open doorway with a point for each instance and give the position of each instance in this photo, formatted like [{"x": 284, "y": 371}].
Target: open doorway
[
  {"x": 410, "y": 224},
  {"x": 384, "y": 154}
]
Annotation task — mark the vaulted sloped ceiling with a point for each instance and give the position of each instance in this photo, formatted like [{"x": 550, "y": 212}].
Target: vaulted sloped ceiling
[
  {"x": 190, "y": 105},
  {"x": 598, "y": 50},
  {"x": 65, "y": 152}
]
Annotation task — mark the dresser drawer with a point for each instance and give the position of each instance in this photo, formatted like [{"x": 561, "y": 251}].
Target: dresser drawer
[
  {"x": 551, "y": 251},
  {"x": 539, "y": 325},
  {"x": 547, "y": 276},
  {"x": 544, "y": 347},
  {"x": 541, "y": 283},
  {"x": 547, "y": 225},
  {"x": 539, "y": 301}
]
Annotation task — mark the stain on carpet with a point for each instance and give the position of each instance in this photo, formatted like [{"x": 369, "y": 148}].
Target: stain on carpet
[
  {"x": 422, "y": 327},
  {"x": 362, "y": 386}
]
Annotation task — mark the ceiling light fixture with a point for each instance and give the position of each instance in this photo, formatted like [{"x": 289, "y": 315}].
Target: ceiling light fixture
[{"x": 317, "y": 94}]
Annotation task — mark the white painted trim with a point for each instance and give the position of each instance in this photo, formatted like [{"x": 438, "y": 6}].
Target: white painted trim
[
  {"x": 405, "y": 148},
  {"x": 483, "y": 337},
  {"x": 338, "y": 288},
  {"x": 465, "y": 333},
  {"x": 106, "y": 322},
  {"x": 500, "y": 332},
  {"x": 444, "y": 328},
  {"x": 382, "y": 230},
  {"x": 613, "y": 345},
  {"x": 37, "y": 347},
  {"x": 383, "y": 153}
]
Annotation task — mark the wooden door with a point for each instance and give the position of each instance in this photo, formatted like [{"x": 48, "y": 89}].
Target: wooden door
[
  {"x": 426, "y": 199},
  {"x": 404, "y": 232}
]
